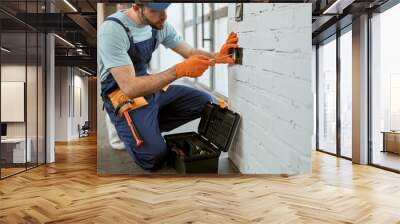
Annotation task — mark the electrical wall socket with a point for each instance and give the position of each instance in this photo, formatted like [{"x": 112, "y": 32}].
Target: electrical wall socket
[
  {"x": 237, "y": 55},
  {"x": 239, "y": 12}
]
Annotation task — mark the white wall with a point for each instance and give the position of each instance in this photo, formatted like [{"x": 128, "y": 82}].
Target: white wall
[
  {"x": 79, "y": 117},
  {"x": 67, "y": 114},
  {"x": 50, "y": 95},
  {"x": 272, "y": 90},
  {"x": 61, "y": 103}
]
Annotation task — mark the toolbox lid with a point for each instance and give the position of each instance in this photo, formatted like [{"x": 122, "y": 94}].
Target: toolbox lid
[{"x": 218, "y": 125}]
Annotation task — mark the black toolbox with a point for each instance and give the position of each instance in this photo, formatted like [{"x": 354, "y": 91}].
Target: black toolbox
[{"x": 193, "y": 152}]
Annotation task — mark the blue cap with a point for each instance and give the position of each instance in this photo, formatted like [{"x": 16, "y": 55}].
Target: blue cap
[{"x": 157, "y": 6}]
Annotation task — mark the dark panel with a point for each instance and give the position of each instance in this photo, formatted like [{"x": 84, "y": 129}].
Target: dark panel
[
  {"x": 81, "y": 61},
  {"x": 331, "y": 30},
  {"x": 49, "y": 22}
]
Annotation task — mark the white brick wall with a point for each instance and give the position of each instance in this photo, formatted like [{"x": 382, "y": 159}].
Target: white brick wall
[{"x": 272, "y": 89}]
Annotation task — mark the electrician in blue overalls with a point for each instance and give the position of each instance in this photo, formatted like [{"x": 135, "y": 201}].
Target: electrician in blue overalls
[{"x": 126, "y": 41}]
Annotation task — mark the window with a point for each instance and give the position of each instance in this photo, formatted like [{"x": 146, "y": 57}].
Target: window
[
  {"x": 189, "y": 35},
  {"x": 215, "y": 34},
  {"x": 394, "y": 101},
  {"x": 327, "y": 96},
  {"x": 221, "y": 71},
  {"x": 346, "y": 94},
  {"x": 188, "y": 11},
  {"x": 220, "y": 5},
  {"x": 314, "y": 87},
  {"x": 334, "y": 138},
  {"x": 385, "y": 89},
  {"x": 205, "y": 79}
]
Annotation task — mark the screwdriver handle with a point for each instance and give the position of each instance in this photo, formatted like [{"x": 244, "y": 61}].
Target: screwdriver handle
[{"x": 135, "y": 133}]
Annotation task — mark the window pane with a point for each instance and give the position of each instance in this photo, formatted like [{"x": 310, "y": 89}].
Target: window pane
[
  {"x": 205, "y": 78},
  {"x": 189, "y": 35},
  {"x": 327, "y": 97},
  {"x": 221, "y": 70},
  {"x": 220, "y": 5},
  {"x": 394, "y": 101},
  {"x": 31, "y": 100},
  {"x": 386, "y": 88},
  {"x": 206, "y": 8},
  {"x": 346, "y": 93},
  {"x": 188, "y": 7},
  {"x": 314, "y": 87}
]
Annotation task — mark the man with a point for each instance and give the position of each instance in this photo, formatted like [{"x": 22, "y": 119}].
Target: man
[{"x": 126, "y": 41}]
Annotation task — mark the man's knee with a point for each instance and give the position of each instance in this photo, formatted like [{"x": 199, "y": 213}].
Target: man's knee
[
  {"x": 206, "y": 98},
  {"x": 154, "y": 157},
  {"x": 202, "y": 100}
]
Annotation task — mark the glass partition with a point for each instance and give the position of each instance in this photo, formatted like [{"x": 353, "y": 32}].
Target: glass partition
[
  {"x": 15, "y": 151},
  {"x": 22, "y": 77}
]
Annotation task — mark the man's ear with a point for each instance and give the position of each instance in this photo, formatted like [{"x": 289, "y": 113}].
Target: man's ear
[{"x": 135, "y": 7}]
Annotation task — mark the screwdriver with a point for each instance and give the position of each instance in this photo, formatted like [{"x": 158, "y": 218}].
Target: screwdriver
[
  {"x": 222, "y": 57},
  {"x": 135, "y": 133}
]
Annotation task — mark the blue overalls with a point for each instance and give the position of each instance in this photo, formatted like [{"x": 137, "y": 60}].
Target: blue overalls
[{"x": 165, "y": 111}]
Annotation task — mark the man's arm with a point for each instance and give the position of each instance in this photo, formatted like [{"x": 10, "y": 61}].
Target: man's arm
[
  {"x": 185, "y": 50},
  {"x": 221, "y": 57},
  {"x": 135, "y": 86}
]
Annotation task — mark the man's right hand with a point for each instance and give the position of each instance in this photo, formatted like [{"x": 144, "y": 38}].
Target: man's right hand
[{"x": 194, "y": 66}]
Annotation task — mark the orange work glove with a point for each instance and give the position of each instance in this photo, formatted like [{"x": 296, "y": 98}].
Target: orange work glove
[
  {"x": 223, "y": 57},
  {"x": 194, "y": 66}
]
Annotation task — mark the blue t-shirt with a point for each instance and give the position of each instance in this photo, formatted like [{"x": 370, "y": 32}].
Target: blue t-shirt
[{"x": 113, "y": 43}]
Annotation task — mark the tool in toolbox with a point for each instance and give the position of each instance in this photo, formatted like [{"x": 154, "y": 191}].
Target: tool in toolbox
[
  {"x": 122, "y": 105},
  {"x": 221, "y": 102}
]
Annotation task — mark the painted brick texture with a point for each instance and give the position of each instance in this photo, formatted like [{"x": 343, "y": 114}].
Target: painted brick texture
[{"x": 272, "y": 89}]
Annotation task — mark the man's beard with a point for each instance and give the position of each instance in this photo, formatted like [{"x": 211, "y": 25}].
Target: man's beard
[
  {"x": 148, "y": 22},
  {"x": 157, "y": 27}
]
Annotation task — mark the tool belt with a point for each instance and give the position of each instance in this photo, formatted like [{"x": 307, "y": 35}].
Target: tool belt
[{"x": 122, "y": 103}]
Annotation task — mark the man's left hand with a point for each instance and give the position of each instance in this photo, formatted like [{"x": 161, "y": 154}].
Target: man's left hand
[{"x": 223, "y": 57}]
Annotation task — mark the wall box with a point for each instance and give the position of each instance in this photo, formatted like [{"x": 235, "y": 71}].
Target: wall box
[{"x": 239, "y": 12}]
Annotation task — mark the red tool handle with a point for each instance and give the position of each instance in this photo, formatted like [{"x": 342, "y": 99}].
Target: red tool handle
[{"x": 135, "y": 133}]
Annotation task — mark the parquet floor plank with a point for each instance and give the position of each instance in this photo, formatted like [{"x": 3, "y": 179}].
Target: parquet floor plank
[{"x": 70, "y": 191}]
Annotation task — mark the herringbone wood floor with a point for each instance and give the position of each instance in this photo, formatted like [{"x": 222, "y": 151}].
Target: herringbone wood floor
[{"x": 69, "y": 191}]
